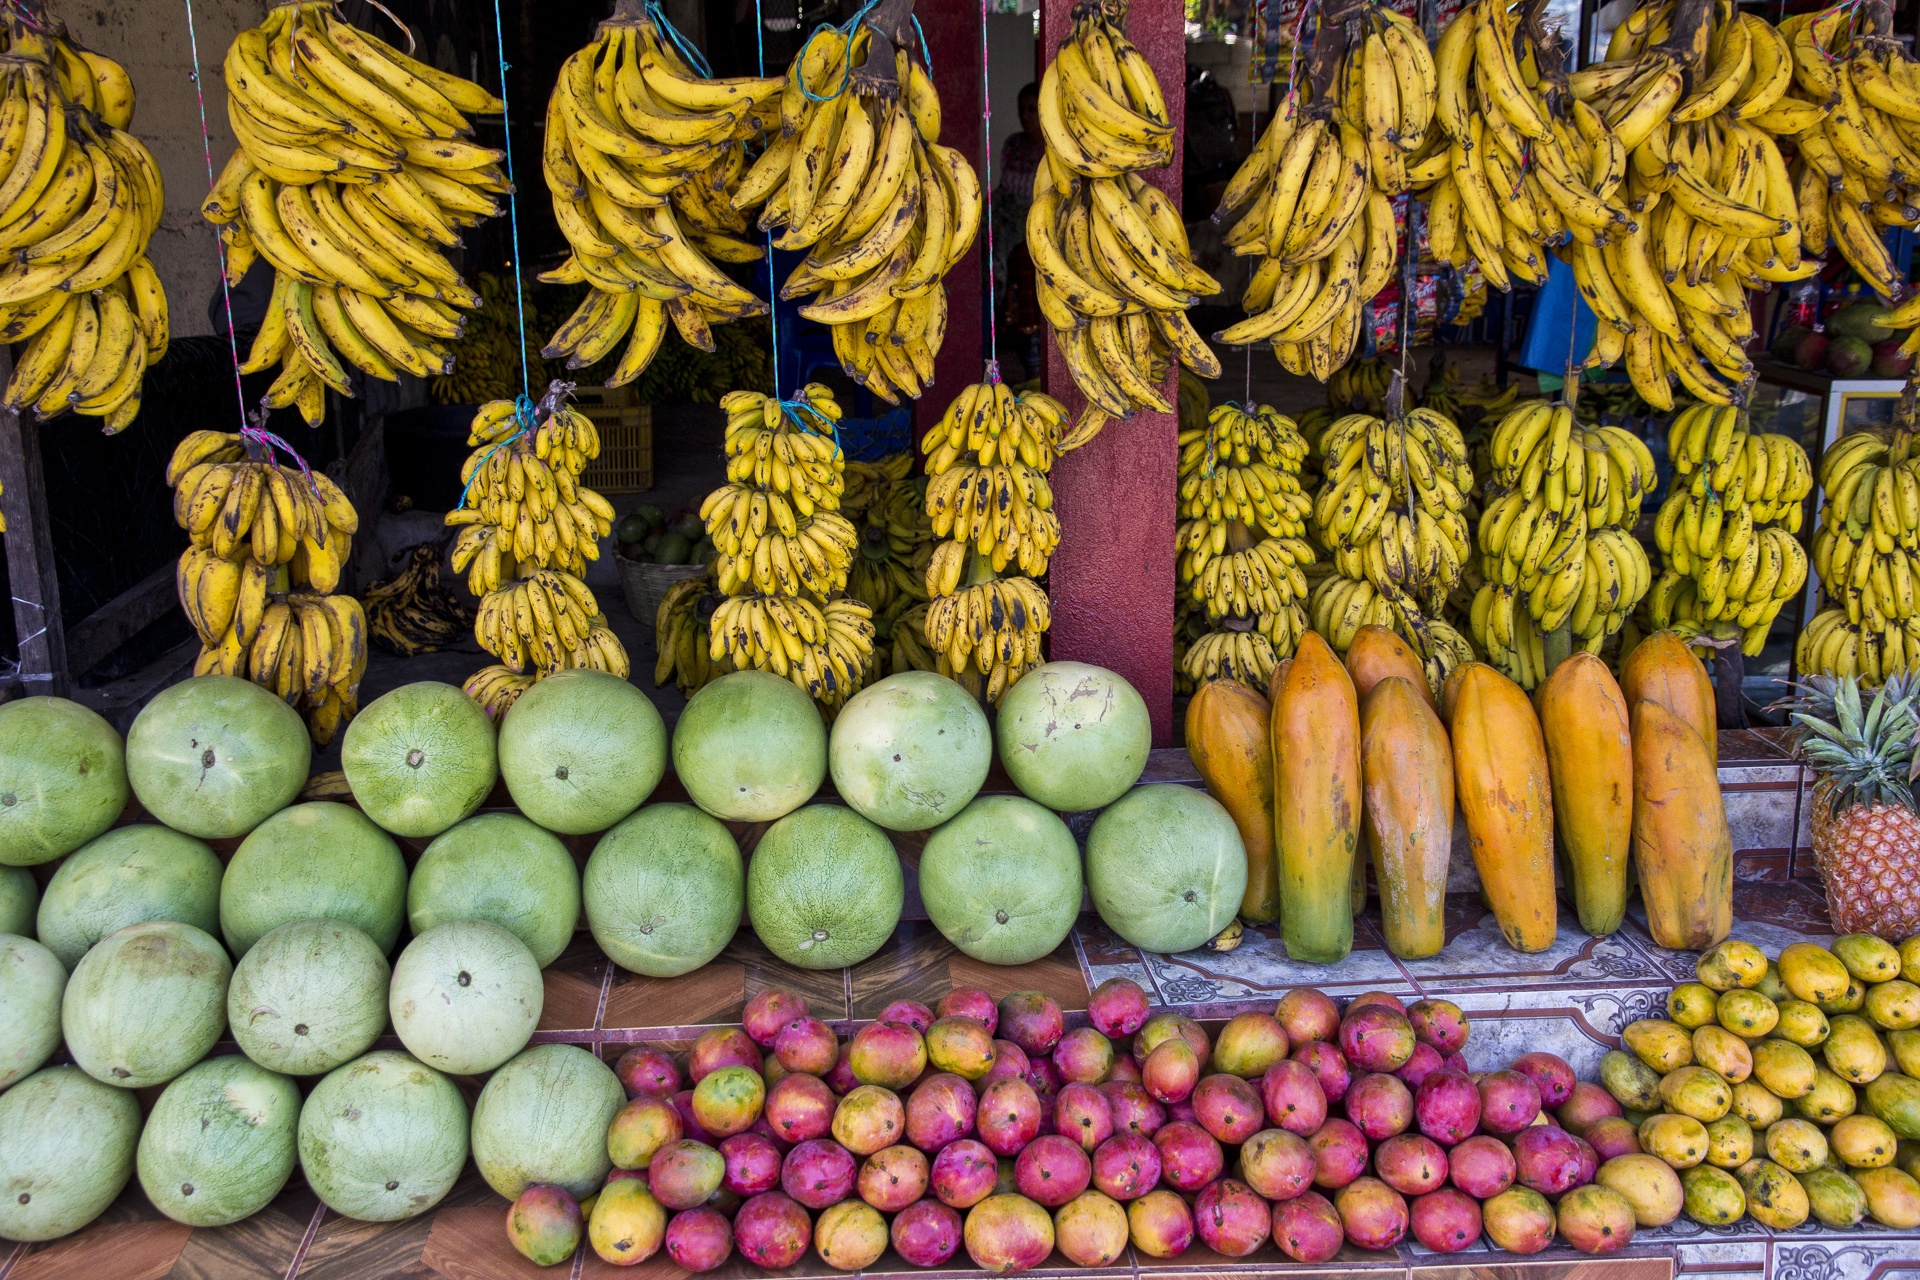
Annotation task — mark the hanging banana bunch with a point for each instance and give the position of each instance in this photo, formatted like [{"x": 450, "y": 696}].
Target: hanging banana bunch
[
  {"x": 352, "y": 176},
  {"x": 641, "y": 152},
  {"x": 1556, "y": 542},
  {"x": 894, "y": 534},
  {"x": 1113, "y": 270},
  {"x": 682, "y": 636},
  {"x": 257, "y": 583},
  {"x": 785, "y": 549},
  {"x": 80, "y": 199},
  {"x": 527, "y": 529},
  {"x": 1313, "y": 199},
  {"x": 1732, "y": 559},
  {"x": 1242, "y": 541}
]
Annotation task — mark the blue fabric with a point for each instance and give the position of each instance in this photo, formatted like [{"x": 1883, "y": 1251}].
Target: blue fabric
[{"x": 1558, "y": 309}]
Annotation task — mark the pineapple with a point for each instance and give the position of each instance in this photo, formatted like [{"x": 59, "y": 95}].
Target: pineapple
[{"x": 1866, "y": 825}]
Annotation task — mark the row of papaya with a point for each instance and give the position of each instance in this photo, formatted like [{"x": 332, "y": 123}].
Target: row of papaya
[{"x": 1338, "y": 765}]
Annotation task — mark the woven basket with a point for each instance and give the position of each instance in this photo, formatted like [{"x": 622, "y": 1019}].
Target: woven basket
[{"x": 646, "y": 584}]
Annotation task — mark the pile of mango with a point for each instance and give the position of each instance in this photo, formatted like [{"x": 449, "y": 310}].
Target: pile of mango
[{"x": 1786, "y": 1089}]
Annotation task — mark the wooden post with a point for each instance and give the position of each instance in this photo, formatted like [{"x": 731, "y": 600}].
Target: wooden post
[
  {"x": 30, "y": 569},
  {"x": 954, "y": 34},
  {"x": 1112, "y": 580}
]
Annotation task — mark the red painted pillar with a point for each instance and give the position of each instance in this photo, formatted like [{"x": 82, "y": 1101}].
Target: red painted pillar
[
  {"x": 1112, "y": 578},
  {"x": 953, "y": 34}
]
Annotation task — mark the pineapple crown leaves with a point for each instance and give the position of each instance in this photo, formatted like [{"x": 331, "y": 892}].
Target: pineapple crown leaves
[{"x": 1867, "y": 753}]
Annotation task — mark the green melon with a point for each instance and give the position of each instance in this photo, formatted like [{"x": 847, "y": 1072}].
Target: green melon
[
  {"x": 219, "y": 1143},
  {"x": 19, "y": 901},
  {"x": 215, "y": 755},
  {"x": 310, "y": 861},
  {"x": 308, "y": 997},
  {"x": 1002, "y": 880},
  {"x": 581, "y": 749},
  {"x": 503, "y": 868},
  {"x": 466, "y": 996},
  {"x": 665, "y": 890},
  {"x": 750, "y": 747},
  {"x": 66, "y": 1151},
  {"x": 420, "y": 758},
  {"x": 63, "y": 778},
  {"x": 130, "y": 874},
  {"x": 1074, "y": 736},
  {"x": 31, "y": 983},
  {"x": 543, "y": 1119},
  {"x": 146, "y": 1003},
  {"x": 824, "y": 888},
  {"x": 910, "y": 751},
  {"x": 383, "y": 1138},
  {"x": 1166, "y": 867}
]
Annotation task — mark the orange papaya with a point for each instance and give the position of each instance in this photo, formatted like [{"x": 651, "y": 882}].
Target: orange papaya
[
  {"x": 1278, "y": 678},
  {"x": 1228, "y": 728},
  {"x": 1406, "y": 772},
  {"x": 1500, "y": 777},
  {"x": 1663, "y": 669},
  {"x": 1378, "y": 652},
  {"x": 1583, "y": 717},
  {"x": 1450, "y": 693},
  {"x": 1316, "y": 774},
  {"x": 1682, "y": 849}
]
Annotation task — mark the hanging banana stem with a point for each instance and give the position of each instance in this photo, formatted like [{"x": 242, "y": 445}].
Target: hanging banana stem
[
  {"x": 1688, "y": 41},
  {"x": 891, "y": 22}
]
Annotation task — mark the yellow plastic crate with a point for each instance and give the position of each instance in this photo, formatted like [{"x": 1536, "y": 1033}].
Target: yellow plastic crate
[{"x": 625, "y": 464}]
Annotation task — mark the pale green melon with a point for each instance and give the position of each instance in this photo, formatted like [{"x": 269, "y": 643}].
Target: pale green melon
[
  {"x": 130, "y": 874},
  {"x": 750, "y": 747},
  {"x": 19, "y": 901},
  {"x": 466, "y": 996},
  {"x": 308, "y": 997},
  {"x": 31, "y": 983},
  {"x": 215, "y": 755},
  {"x": 66, "y": 1151},
  {"x": 63, "y": 778},
  {"x": 503, "y": 868},
  {"x": 581, "y": 749},
  {"x": 219, "y": 1144},
  {"x": 1002, "y": 880},
  {"x": 543, "y": 1119},
  {"x": 910, "y": 751},
  {"x": 665, "y": 890},
  {"x": 1166, "y": 867},
  {"x": 146, "y": 1003},
  {"x": 420, "y": 758},
  {"x": 312, "y": 861},
  {"x": 1074, "y": 736},
  {"x": 383, "y": 1137},
  {"x": 824, "y": 888}
]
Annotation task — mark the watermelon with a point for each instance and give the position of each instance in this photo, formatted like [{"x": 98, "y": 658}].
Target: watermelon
[
  {"x": 219, "y": 1143},
  {"x": 824, "y": 888},
  {"x": 130, "y": 874},
  {"x": 750, "y": 747},
  {"x": 308, "y": 997},
  {"x": 66, "y": 1151},
  {"x": 146, "y": 1003},
  {"x": 420, "y": 758},
  {"x": 664, "y": 890},
  {"x": 499, "y": 867},
  {"x": 1074, "y": 736},
  {"x": 63, "y": 778},
  {"x": 383, "y": 1138},
  {"x": 1166, "y": 867},
  {"x": 215, "y": 755},
  {"x": 19, "y": 901},
  {"x": 466, "y": 996},
  {"x": 1002, "y": 880},
  {"x": 314, "y": 860},
  {"x": 581, "y": 749},
  {"x": 31, "y": 983},
  {"x": 543, "y": 1119},
  {"x": 910, "y": 751}
]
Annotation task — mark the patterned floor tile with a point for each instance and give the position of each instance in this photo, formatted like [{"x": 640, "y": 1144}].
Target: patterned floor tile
[
  {"x": 1836, "y": 1257},
  {"x": 1259, "y": 970},
  {"x": 1477, "y": 957},
  {"x": 1768, "y": 915}
]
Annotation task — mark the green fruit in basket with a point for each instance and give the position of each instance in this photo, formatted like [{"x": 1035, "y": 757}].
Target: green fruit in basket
[
  {"x": 650, "y": 517},
  {"x": 704, "y": 553},
  {"x": 688, "y": 525},
  {"x": 650, "y": 545},
  {"x": 632, "y": 528},
  {"x": 673, "y": 549}
]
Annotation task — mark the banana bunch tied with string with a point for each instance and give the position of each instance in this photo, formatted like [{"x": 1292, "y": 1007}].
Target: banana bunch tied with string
[
  {"x": 640, "y": 154},
  {"x": 1864, "y": 550},
  {"x": 1555, "y": 540},
  {"x": 1732, "y": 559},
  {"x": 352, "y": 177},
  {"x": 858, "y": 177},
  {"x": 80, "y": 199},
  {"x": 682, "y": 637},
  {"x": 1312, "y": 201},
  {"x": 1113, "y": 270},
  {"x": 981, "y": 489},
  {"x": 983, "y": 631},
  {"x": 257, "y": 583}
]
